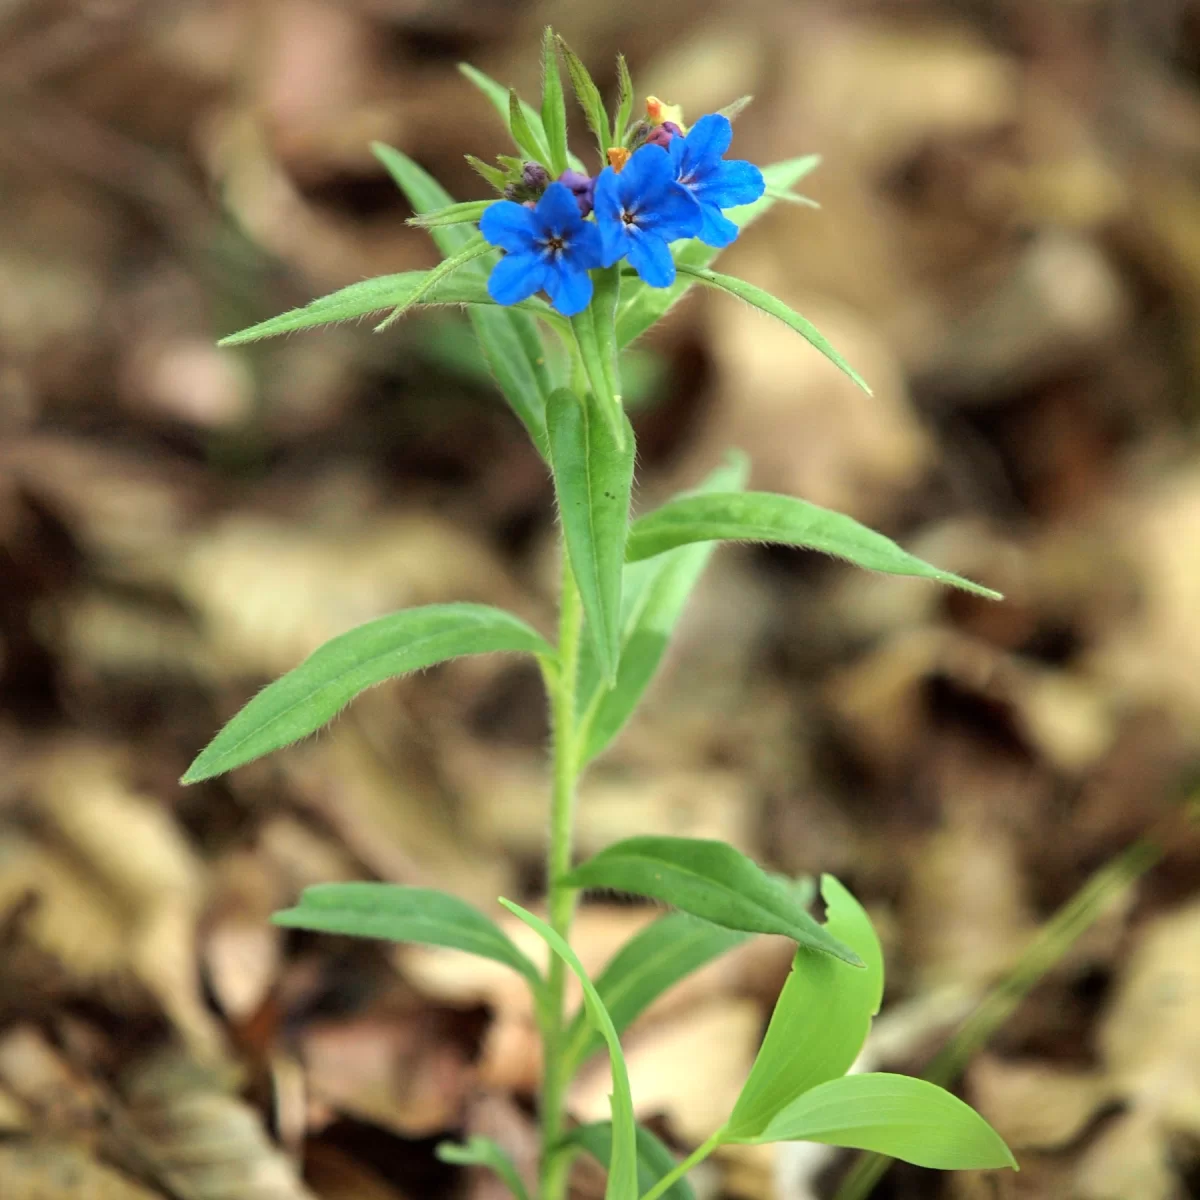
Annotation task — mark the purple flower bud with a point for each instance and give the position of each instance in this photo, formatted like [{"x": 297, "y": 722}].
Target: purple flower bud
[
  {"x": 535, "y": 177},
  {"x": 582, "y": 187},
  {"x": 662, "y": 135}
]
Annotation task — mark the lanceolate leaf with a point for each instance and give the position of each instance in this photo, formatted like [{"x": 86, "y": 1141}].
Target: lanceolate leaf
[
  {"x": 593, "y": 477},
  {"x": 712, "y": 881},
  {"x": 763, "y": 300},
  {"x": 820, "y": 1021},
  {"x": 767, "y": 517},
  {"x": 896, "y": 1115},
  {"x": 622, "y": 1168},
  {"x": 475, "y": 248},
  {"x": 654, "y": 1160},
  {"x": 624, "y": 101},
  {"x": 653, "y": 595},
  {"x": 645, "y": 305},
  {"x": 466, "y": 213},
  {"x": 554, "y": 108},
  {"x": 304, "y": 699},
  {"x": 405, "y": 914},
  {"x": 659, "y": 956},
  {"x": 483, "y": 1152},
  {"x": 509, "y": 340},
  {"x": 588, "y": 95},
  {"x": 533, "y": 145}
]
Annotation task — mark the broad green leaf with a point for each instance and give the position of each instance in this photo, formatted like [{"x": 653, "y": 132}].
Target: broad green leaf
[
  {"x": 304, "y": 699},
  {"x": 554, "y": 108},
  {"x": 761, "y": 299},
  {"x": 603, "y": 310},
  {"x": 588, "y": 95},
  {"x": 653, "y": 960},
  {"x": 483, "y": 1152},
  {"x": 406, "y": 914},
  {"x": 532, "y": 145},
  {"x": 509, "y": 340},
  {"x": 466, "y": 213},
  {"x": 463, "y": 289},
  {"x": 821, "y": 1019},
  {"x": 653, "y": 594},
  {"x": 593, "y": 339},
  {"x": 593, "y": 477},
  {"x": 475, "y": 248},
  {"x": 624, "y": 101},
  {"x": 896, "y": 1115},
  {"x": 768, "y": 517},
  {"x": 654, "y": 1160},
  {"x": 710, "y": 880},
  {"x": 645, "y": 305},
  {"x": 622, "y": 1169}
]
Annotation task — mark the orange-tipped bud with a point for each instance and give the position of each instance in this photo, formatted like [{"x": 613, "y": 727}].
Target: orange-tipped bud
[
  {"x": 658, "y": 111},
  {"x": 618, "y": 156}
]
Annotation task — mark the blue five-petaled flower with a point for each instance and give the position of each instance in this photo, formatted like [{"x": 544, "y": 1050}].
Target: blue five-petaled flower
[
  {"x": 700, "y": 167},
  {"x": 641, "y": 210},
  {"x": 550, "y": 247}
]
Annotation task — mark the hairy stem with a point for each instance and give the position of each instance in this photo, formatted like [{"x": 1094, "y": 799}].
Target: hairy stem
[{"x": 562, "y": 899}]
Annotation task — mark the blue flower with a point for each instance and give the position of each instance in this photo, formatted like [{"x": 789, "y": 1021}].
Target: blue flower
[
  {"x": 640, "y": 210},
  {"x": 716, "y": 183},
  {"x": 550, "y": 247}
]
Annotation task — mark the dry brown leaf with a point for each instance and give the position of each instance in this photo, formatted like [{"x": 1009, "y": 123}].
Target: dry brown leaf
[{"x": 55, "y": 1171}]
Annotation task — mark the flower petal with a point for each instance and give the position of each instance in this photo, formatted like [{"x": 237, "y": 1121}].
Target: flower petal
[
  {"x": 649, "y": 256},
  {"x": 587, "y": 247},
  {"x": 509, "y": 225},
  {"x": 570, "y": 287},
  {"x": 648, "y": 169},
  {"x": 733, "y": 182},
  {"x": 613, "y": 238},
  {"x": 716, "y": 230},
  {"x": 516, "y": 277},
  {"x": 671, "y": 213},
  {"x": 707, "y": 140},
  {"x": 558, "y": 211}
]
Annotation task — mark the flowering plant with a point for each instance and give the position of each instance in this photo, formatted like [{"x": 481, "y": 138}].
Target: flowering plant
[{"x": 666, "y": 200}]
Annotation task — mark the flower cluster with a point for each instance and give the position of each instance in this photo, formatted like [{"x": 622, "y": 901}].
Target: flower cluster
[{"x": 673, "y": 185}]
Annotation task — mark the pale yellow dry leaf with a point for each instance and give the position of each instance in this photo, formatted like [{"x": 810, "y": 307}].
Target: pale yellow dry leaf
[{"x": 58, "y": 1171}]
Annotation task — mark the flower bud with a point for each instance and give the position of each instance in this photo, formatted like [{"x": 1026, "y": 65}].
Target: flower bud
[
  {"x": 661, "y": 135},
  {"x": 535, "y": 177},
  {"x": 582, "y": 187}
]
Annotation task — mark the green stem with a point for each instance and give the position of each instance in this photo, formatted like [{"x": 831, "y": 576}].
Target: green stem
[
  {"x": 562, "y": 684},
  {"x": 698, "y": 1155}
]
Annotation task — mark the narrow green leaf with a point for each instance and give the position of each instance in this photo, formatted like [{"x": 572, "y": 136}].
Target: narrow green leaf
[
  {"x": 406, "y": 914},
  {"x": 486, "y": 171},
  {"x": 483, "y": 1152},
  {"x": 734, "y": 108},
  {"x": 896, "y": 1115},
  {"x": 529, "y": 142},
  {"x": 821, "y": 1019},
  {"x": 466, "y": 213},
  {"x": 653, "y": 960},
  {"x": 654, "y": 1160},
  {"x": 710, "y": 880},
  {"x": 554, "y": 107},
  {"x": 653, "y": 595},
  {"x": 499, "y": 96},
  {"x": 304, "y": 699},
  {"x": 765, "y": 302},
  {"x": 768, "y": 517},
  {"x": 623, "y": 1170},
  {"x": 475, "y": 248},
  {"x": 588, "y": 95},
  {"x": 593, "y": 478},
  {"x": 624, "y": 101},
  {"x": 644, "y": 306},
  {"x": 509, "y": 340}
]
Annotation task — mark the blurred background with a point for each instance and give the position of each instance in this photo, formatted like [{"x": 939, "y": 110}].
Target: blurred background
[{"x": 1008, "y": 248}]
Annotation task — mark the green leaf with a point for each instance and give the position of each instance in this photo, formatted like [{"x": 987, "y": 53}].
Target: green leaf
[
  {"x": 483, "y": 1152},
  {"x": 821, "y": 1019},
  {"x": 509, "y": 340},
  {"x": 475, "y": 248},
  {"x": 765, "y": 302},
  {"x": 466, "y": 213},
  {"x": 406, "y": 914},
  {"x": 624, "y": 101},
  {"x": 653, "y": 595},
  {"x": 768, "y": 517},
  {"x": 486, "y": 171},
  {"x": 654, "y": 1160},
  {"x": 896, "y": 1115},
  {"x": 593, "y": 478},
  {"x": 593, "y": 330},
  {"x": 646, "y": 305},
  {"x": 734, "y": 108},
  {"x": 710, "y": 880},
  {"x": 499, "y": 96},
  {"x": 304, "y": 699},
  {"x": 653, "y": 960},
  {"x": 622, "y": 1171},
  {"x": 588, "y": 95},
  {"x": 554, "y": 108},
  {"x": 523, "y": 134}
]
